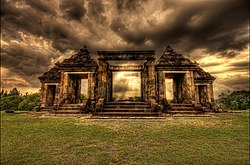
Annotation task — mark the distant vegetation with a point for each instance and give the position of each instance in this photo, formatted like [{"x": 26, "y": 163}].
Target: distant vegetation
[
  {"x": 14, "y": 100},
  {"x": 236, "y": 100}
]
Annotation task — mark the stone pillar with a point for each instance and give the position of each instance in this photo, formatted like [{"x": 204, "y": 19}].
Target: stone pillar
[
  {"x": 91, "y": 86},
  {"x": 197, "y": 99},
  {"x": 62, "y": 89},
  {"x": 151, "y": 80},
  {"x": 102, "y": 79},
  {"x": 188, "y": 92},
  {"x": 203, "y": 92},
  {"x": 57, "y": 94},
  {"x": 144, "y": 84},
  {"x": 211, "y": 92},
  {"x": 43, "y": 95},
  {"x": 161, "y": 86}
]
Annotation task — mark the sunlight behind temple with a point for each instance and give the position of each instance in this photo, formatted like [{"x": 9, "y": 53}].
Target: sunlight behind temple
[{"x": 126, "y": 85}]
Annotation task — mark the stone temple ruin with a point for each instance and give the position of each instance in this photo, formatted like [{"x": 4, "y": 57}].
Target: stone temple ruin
[{"x": 172, "y": 85}]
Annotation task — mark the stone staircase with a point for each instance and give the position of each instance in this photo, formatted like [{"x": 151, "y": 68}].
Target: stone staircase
[
  {"x": 68, "y": 109},
  {"x": 127, "y": 109},
  {"x": 185, "y": 110},
  {"x": 45, "y": 110}
]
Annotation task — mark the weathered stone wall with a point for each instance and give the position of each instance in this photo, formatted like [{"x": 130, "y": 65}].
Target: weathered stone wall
[
  {"x": 91, "y": 86},
  {"x": 48, "y": 94},
  {"x": 188, "y": 88},
  {"x": 197, "y": 99},
  {"x": 161, "y": 90},
  {"x": 211, "y": 92},
  {"x": 102, "y": 79},
  {"x": 203, "y": 94},
  {"x": 43, "y": 96},
  {"x": 151, "y": 80},
  {"x": 144, "y": 80}
]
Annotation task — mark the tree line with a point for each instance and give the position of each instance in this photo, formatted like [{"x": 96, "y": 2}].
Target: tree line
[
  {"x": 15, "y": 100},
  {"x": 236, "y": 100}
]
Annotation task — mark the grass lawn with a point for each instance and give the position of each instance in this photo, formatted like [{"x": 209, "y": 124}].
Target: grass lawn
[{"x": 39, "y": 140}]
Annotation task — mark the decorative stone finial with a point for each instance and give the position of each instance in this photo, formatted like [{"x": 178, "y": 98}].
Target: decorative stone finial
[
  {"x": 169, "y": 49},
  {"x": 84, "y": 49}
]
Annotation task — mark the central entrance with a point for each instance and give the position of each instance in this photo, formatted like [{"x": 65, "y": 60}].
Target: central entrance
[{"x": 126, "y": 85}]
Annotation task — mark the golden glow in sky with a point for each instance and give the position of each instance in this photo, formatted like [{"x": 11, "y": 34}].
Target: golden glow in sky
[{"x": 126, "y": 85}]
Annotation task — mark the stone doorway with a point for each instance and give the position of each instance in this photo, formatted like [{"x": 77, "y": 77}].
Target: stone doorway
[
  {"x": 51, "y": 92},
  {"x": 77, "y": 88},
  {"x": 174, "y": 87},
  {"x": 169, "y": 89},
  {"x": 126, "y": 86}
]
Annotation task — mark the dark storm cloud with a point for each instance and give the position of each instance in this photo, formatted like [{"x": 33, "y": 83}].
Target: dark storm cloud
[
  {"x": 25, "y": 61},
  {"x": 14, "y": 82},
  {"x": 46, "y": 6},
  {"x": 62, "y": 37},
  {"x": 129, "y": 5},
  {"x": 214, "y": 25},
  {"x": 119, "y": 27},
  {"x": 25, "y": 19},
  {"x": 73, "y": 9},
  {"x": 96, "y": 11},
  {"x": 237, "y": 82}
]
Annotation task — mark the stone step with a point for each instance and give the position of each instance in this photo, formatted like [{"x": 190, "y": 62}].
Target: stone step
[
  {"x": 180, "y": 105},
  {"x": 126, "y": 110},
  {"x": 73, "y": 105},
  {"x": 64, "y": 115},
  {"x": 125, "y": 103},
  {"x": 45, "y": 110},
  {"x": 66, "y": 111},
  {"x": 126, "y": 106},
  {"x": 128, "y": 117},
  {"x": 191, "y": 115},
  {"x": 128, "y": 113},
  {"x": 184, "y": 112},
  {"x": 182, "y": 108},
  {"x": 69, "y": 108}
]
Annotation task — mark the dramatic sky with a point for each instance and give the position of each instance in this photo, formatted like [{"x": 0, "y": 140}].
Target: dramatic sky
[{"x": 37, "y": 33}]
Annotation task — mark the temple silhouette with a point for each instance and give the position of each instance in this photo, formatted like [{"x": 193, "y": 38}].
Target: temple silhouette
[{"x": 171, "y": 85}]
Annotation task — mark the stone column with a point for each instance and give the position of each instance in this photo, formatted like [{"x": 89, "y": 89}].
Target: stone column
[
  {"x": 211, "y": 92},
  {"x": 197, "y": 99},
  {"x": 91, "y": 86},
  {"x": 161, "y": 88},
  {"x": 102, "y": 79},
  {"x": 151, "y": 80},
  {"x": 62, "y": 89},
  {"x": 57, "y": 94},
  {"x": 188, "y": 92},
  {"x": 144, "y": 84},
  {"x": 43, "y": 95}
]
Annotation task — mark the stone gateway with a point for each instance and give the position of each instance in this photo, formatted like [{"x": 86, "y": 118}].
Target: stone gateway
[{"x": 126, "y": 83}]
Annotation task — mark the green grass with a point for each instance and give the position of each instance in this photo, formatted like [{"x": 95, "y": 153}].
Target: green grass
[{"x": 36, "y": 140}]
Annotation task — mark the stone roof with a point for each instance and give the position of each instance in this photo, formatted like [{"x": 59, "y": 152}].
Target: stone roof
[
  {"x": 200, "y": 74},
  {"x": 171, "y": 58},
  {"x": 126, "y": 55},
  {"x": 82, "y": 58},
  {"x": 53, "y": 75}
]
